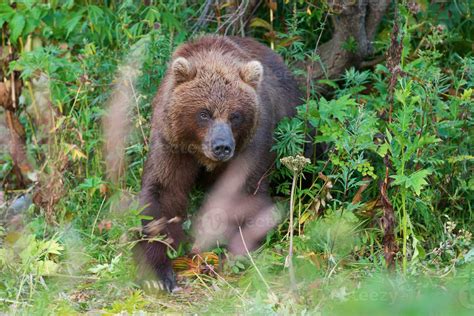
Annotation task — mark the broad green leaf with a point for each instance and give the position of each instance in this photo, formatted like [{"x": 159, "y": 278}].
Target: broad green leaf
[
  {"x": 328, "y": 82},
  {"x": 73, "y": 21},
  {"x": 17, "y": 24},
  {"x": 6, "y": 10},
  {"x": 383, "y": 149},
  {"x": 31, "y": 25},
  {"x": 427, "y": 139},
  {"x": 51, "y": 247},
  {"x": 6, "y": 13},
  {"x": 337, "y": 108},
  {"x": 415, "y": 181},
  {"x": 46, "y": 267}
]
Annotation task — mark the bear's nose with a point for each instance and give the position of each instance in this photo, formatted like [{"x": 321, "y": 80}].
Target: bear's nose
[
  {"x": 222, "y": 150},
  {"x": 221, "y": 141}
]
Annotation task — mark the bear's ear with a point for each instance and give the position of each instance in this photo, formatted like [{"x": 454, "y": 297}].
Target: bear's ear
[
  {"x": 252, "y": 73},
  {"x": 182, "y": 70}
]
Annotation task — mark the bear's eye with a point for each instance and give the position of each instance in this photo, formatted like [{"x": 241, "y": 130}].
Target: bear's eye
[
  {"x": 204, "y": 115},
  {"x": 236, "y": 118}
]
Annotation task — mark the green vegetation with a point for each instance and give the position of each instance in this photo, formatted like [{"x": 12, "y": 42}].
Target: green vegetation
[{"x": 395, "y": 135}]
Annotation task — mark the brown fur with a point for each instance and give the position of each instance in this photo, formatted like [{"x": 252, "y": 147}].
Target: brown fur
[{"x": 223, "y": 75}]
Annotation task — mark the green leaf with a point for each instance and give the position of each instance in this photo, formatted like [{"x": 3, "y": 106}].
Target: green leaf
[
  {"x": 309, "y": 112},
  {"x": 73, "y": 21},
  {"x": 328, "y": 82},
  {"x": 17, "y": 24},
  {"x": 51, "y": 247},
  {"x": 415, "y": 181},
  {"x": 31, "y": 25},
  {"x": 427, "y": 139},
  {"x": 95, "y": 13},
  {"x": 153, "y": 15},
  {"x": 46, "y": 267},
  {"x": 170, "y": 20},
  {"x": 257, "y": 22},
  {"x": 33, "y": 20},
  {"x": 6, "y": 12},
  {"x": 337, "y": 108},
  {"x": 459, "y": 158},
  {"x": 383, "y": 149}
]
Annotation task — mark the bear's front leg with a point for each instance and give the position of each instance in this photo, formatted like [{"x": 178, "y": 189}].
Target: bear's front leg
[{"x": 168, "y": 178}]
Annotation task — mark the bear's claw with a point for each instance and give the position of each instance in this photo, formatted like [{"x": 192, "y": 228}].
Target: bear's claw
[{"x": 168, "y": 280}]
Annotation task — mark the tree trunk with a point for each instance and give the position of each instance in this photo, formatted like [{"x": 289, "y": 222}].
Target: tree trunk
[
  {"x": 355, "y": 20},
  {"x": 10, "y": 90}
]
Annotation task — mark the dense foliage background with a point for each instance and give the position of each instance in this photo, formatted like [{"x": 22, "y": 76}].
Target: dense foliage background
[{"x": 389, "y": 188}]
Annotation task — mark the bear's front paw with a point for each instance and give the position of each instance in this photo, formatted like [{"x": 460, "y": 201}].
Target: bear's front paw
[
  {"x": 169, "y": 283},
  {"x": 168, "y": 279}
]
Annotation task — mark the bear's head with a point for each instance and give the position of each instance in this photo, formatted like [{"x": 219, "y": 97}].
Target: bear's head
[{"x": 213, "y": 107}]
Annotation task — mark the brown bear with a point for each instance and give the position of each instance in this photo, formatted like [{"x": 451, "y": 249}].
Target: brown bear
[{"x": 213, "y": 121}]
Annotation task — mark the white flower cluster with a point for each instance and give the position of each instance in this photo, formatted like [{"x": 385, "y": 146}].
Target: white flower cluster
[{"x": 295, "y": 163}]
